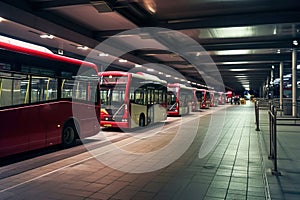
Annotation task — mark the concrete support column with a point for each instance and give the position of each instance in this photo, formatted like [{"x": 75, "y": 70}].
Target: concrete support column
[
  {"x": 281, "y": 86},
  {"x": 294, "y": 82}
]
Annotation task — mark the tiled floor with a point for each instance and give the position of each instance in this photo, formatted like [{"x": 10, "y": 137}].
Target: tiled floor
[{"x": 236, "y": 168}]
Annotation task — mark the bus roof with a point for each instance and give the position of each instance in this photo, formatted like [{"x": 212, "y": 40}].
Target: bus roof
[
  {"x": 139, "y": 75},
  {"x": 39, "y": 51},
  {"x": 201, "y": 89},
  {"x": 180, "y": 85}
]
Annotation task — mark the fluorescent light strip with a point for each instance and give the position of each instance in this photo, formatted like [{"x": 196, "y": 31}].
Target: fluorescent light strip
[
  {"x": 122, "y": 61},
  {"x": 47, "y": 36},
  {"x": 82, "y": 47}
]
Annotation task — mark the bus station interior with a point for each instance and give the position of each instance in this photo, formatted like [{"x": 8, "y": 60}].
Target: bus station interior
[{"x": 245, "y": 151}]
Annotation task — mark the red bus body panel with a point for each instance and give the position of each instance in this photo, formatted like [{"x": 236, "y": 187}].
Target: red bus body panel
[{"x": 31, "y": 127}]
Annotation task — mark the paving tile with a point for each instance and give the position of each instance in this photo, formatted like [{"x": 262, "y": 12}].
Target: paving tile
[
  {"x": 125, "y": 193},
  {"x": 221, "y": 172},
  {"x": 257, "y": 191},
  {"x": 153, "y": 187},
  {"x": 202, "y": 177},
  {"x": 249, "y": 197},
  {"x": 216, "y": 192},
  {"x": 212, "y": 198},
  {"x": 242, "y": 180},
  {"x": 192, "y": 191},
  {"x": 256, "y": 182},
  {"x": 237, "y": 192},
  {"x": 220, "y": 184},
  {"x": 143, "y": 195},
  {"x": 237, "y": 186},
  {"x": 114, "y": 187},
  {"x": 100, "y": 196},
  {"x": 232, "y": 196},
  {"x": 221, "y": 178}
]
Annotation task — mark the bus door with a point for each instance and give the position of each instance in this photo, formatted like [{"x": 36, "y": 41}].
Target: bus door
[
  {"x": 150, "y": 105},
  {"x": 34, "y": 116}
]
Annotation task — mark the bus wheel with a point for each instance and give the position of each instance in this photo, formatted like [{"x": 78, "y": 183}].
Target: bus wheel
[
  {"x": 69, "y": 135},
  {"x": 142, "y": 121}
]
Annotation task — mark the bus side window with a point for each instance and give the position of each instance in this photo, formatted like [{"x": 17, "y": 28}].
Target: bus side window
[
  {"x": 43, "y": 89},
  {"x": 67, "y": 88},
  {"x": 13, "y": 89},
  {"x": 139, "y": 97}
]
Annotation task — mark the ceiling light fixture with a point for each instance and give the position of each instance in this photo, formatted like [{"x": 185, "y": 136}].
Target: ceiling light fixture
[
  {"x": 47, "y": 36},
  {"x": 103, "y": 54},
  {"x": 82, "y": 47},
  {"x": 238, "y": 70},
  {"x": 295, "y": 42},
  {"x": 122, "y": 61},
  {"x": 137, "y": 65}
]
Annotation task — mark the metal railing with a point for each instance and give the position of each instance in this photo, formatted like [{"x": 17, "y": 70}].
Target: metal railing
[
  {"x": 274, "y": 121},
  {"x": 260, "y": 104},
  {"x": 273, "y": 138}
]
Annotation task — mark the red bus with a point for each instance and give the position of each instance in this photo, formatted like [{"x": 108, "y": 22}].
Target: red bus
[
  {"x": 130, "y": 100},
  {"x": 203, "y": 98},
  {"x": 222, "y": 98},
  {"x": 229, "y": 96},
  {"x": 180, "y": 99},
  {"x": 213, "y": 98},
  {"x": 38, "y": 93}
]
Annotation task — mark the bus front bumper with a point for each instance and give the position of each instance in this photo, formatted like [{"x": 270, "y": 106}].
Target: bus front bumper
[{"x": 108, "y": 124}]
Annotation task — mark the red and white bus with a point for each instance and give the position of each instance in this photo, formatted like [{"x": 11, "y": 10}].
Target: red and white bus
[
  {"x": 202, "y": 97},
  {"x": 229, "y": 95},
  {"x": 38, "y": 93},
  {"x": 222, "y": 98},
  {"x": 130, "y": 100},
  {"x": 180, "y": 99},
  {"x": 213, "y": 98}
]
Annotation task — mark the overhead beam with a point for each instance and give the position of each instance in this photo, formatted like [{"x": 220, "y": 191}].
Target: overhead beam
[
  {"x": 45, "y": 5},
  {"x": 237, "y": 58},
  {"x": 233, "y": 20}
]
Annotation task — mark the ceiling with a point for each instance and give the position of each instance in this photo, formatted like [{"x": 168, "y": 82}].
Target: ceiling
[{"x": 244, "y": 38}]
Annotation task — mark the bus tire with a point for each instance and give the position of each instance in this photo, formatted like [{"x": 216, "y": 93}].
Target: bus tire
[
  {"x": 142, "y": 120},
  {"x": 69, "y": 135}
]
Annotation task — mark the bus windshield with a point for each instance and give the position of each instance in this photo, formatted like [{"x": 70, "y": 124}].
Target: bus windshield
[
  {"x": 171, "y": 98},
  {"x": 200, "y": 95},
  {"x": 112, "y": 96}
]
